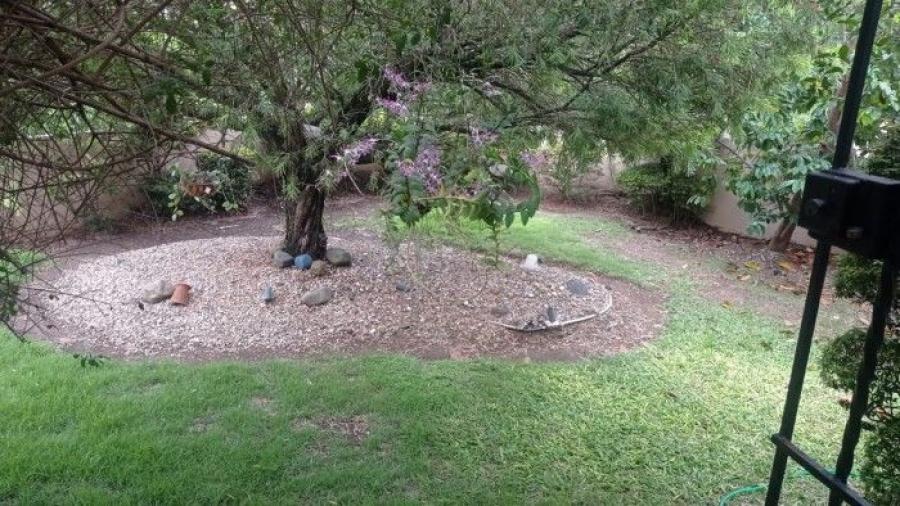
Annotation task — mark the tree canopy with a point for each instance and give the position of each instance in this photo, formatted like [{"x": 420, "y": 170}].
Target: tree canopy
[{"x": 308, "y": 79}]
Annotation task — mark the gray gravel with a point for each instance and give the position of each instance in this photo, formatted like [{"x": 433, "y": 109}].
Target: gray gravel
[{"x": 446, "y": 313}]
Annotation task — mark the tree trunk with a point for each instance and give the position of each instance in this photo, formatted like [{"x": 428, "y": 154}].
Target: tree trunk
[
  {"x": 782, "y": 238},
  {"x": 304, "y": 231}
]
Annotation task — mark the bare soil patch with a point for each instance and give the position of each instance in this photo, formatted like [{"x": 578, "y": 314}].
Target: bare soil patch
[
  {"x": 446, "y": 310},
  {"x": 354, "y": 428}
]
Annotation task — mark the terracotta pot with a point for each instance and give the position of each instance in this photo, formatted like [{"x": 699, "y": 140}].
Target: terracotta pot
[
  {"x": 181, "y": 295},
  {"x": 199, "y": 189}
]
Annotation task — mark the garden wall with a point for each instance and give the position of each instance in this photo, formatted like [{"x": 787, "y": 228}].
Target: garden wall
[{"x": 723, "y": 213}]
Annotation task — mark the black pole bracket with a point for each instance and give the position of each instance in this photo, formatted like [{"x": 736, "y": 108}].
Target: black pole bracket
[{"x": 861, "y": 214}]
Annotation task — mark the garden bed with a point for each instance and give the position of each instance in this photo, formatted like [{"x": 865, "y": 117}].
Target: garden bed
[{"x": 430, "y": 302}]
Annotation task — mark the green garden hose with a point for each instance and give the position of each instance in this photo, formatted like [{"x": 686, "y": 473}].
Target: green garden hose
[
  {"x": 761, "y": 487},
  {"x": 748, "y": 490}
]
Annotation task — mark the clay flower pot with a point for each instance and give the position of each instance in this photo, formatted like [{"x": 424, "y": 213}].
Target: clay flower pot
[{"x": 181, "y": 295}]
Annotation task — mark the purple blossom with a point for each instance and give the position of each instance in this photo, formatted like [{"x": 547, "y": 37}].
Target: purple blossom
[
  {"x": 535, "y": 160},
  {"x": 480, "y": 137},
  {"x": 426, "y": 167},
  {"x": 396, "y": 79},
  {"x": 406, "y": 167},
  {"x": 357, "y": 150},
  {"x": 429, "y": 157},
  {"x": 432, "y": 181},
  {"x": 404, "y": 91},
  {"x": 395, "y": 107}
]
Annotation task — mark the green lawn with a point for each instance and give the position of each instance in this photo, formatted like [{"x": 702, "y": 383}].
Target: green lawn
[{"x": 682, "y": 421}]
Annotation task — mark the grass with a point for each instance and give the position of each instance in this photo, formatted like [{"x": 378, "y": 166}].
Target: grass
[
  {"x": 555, "y": 237},
  {"x": 682, "y": 421}
]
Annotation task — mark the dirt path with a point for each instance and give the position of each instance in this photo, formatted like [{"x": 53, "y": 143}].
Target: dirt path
[{"x": 736, "y": 272}]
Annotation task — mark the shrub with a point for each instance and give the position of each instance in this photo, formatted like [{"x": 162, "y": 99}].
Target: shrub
[
  {"x": 10, "y": 279},
  {"x": 219, "y": 184},
  {"x": 15, "y": 268},
  {"x": 881, "y": 469},
  {"x": 857, "y": 278},
  {"x": 668, "y": 190}
]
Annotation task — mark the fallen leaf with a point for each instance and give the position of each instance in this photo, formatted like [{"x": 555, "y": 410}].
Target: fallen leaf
[
  {"x": 744, "y": 277},
  {"x": 753, "y": 265},
  {"x": 787, "y": 266},
  {"x": 727, "y": 304},
  {"x": 797, "y": 290},
  {"x": 845, "y": 400}
]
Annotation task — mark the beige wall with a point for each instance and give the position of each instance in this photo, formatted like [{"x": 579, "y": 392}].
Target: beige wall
[
  {"x": 39, "y": 214},
  {"x": 725, "y": 215}
]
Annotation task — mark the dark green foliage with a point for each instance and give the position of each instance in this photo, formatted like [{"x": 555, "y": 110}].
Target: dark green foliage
[
  {"x": 857, "y": 278},
  {"x": 666, "y": 189},
  {"x": 882, "y": 465},
  {"x": 840, "y": 359},
  {"x": 791, "y": 133},
  {"x": 10, "y": 278},
  {"x": 15, "y": 268},
  {"x": 885, "y": 160},
  {"x": 219, "y": 184}
]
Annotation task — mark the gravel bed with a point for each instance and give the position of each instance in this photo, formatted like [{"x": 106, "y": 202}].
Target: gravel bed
[{"x": 453, "y": 299}]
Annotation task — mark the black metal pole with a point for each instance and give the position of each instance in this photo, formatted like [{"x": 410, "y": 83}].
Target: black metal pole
[
  {"x": 842, "y": 150},
  {"x": 855, "y": 85},
  {"x": 798, "y": 370},
  {"x": 860, "y": 403}
]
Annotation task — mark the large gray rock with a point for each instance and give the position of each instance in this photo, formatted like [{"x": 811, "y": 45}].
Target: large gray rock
[
  {"x": 578, "y": 286},
  {"x": 157, "y": 292},
  {"x": 318, "y": 296},
  {"x": 338, "y": 257},
  {"x": 318, "y": 268},
  {"x": 532, "y": 262},
  {"x": 282, "y": 259}
]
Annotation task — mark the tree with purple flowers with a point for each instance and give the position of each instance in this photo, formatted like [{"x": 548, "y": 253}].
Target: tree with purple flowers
[{"x": 452, "y": 97}]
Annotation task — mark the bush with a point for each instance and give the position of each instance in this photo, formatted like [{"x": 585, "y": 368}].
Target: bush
[
  {"x": 881, "y": 469},
  {"x": 857, "y": 278},
  {"x": 15, "y": 268},
  {"x": 680, "y": 194},
  {"x": 219, "y": 184}
]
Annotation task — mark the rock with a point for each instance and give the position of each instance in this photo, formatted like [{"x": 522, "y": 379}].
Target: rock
[
  {"x": 268, "y": 294},
  {"x": 532, "y": 262},
  {"x": 318, "y": 296},
  {"x": 578, "y": 286},
  {"x": 402, "y": 286},
  {"x": 498, "y": 169},
  {"x": 303, "y": 261},
  {"x": 338, "y": 257},
  {"x": 282, "y": 259},
  {"x": 318, "y": 268},
  {"x": 157, "y": 292}
]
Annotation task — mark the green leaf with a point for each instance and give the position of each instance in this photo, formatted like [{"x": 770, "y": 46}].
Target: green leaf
[{"x": 171, "y": 103}]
